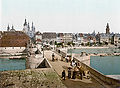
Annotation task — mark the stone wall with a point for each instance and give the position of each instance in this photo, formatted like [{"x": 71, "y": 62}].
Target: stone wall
[
  {"x": 104, "y": 80},
  {"x": 83, "y": 59}
]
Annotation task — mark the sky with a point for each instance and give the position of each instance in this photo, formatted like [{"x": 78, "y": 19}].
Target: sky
[{"x": 62, "y": 15}]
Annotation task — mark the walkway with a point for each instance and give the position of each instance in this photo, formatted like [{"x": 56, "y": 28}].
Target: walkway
[{"x": 58, "y": 66}]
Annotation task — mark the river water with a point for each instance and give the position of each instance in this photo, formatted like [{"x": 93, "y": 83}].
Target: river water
[
  {"x": 12, "y": 64},
  {"x": 108, "y": 65},
  {"x": 94, "y": 50}
]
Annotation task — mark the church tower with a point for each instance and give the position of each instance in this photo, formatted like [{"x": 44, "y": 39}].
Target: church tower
[
  {"x": 8, "y": 28},
  {"x": 13, "y": 30},
  {"x": 12, "y": 27},
  {"x": 25, "y": 23},
  {"x": 32, "y": 27},
  {"x": 107, "y": 29},
  {"x": 28, "y": 27},
  {"x": 25, "y": 27},
  {"x": 29, "y": 31},
  {"x": 32, "y": 30}
]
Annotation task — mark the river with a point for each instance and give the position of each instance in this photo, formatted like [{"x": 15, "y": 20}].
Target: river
[{"x": 12, "y": 64}]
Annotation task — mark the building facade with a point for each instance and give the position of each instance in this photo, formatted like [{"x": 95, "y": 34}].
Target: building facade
[
  {"x": 68, "y": 37},
  {"x": 60, "y": 38},
  {"x": 49, "y": 37},
  {"x": 38, "y": 37},
  {"x": 13, "y": 41}
]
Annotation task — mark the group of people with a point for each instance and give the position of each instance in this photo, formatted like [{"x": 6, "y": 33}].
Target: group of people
[
  {"x": 76, "y": 70},
  {"x": 73, "y": 63},
  {"x": 64, "y": 74},
  {"x": 74, "y": 73},
  {"x": 53, "y": 57},
  {"x": 68, "y": 59}
]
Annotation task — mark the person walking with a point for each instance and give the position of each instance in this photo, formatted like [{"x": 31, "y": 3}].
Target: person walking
[
  {"x": 69, "y": 73},
  {"x": 73, "y": 63},
  {"x": 74, "y": 75},
  {"x": 63, "y": 74},
  {"x": 66, "y": 58}
]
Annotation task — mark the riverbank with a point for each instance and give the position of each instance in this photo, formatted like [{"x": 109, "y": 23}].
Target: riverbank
[{"x": 14, "y": 55}]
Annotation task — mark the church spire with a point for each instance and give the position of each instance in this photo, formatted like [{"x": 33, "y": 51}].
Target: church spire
[
  {"x": 12, "y": 27},
  {"x": 8, "y": 28},
  {"x": 107, "y": 29},
  {"x": 107, "y": 25},
  {"x": 13, "y": 30},
  {"x": 28, "y": 27},
  {"x": 32, "y": 27},
  {"x": 25, "y": 22},
  {"x": 32, "y": 24}
]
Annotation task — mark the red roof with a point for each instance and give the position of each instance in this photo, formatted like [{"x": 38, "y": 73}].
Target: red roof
[
  {"x": 38, "y": 33},
  {"x": 39, "y": 40},
  {"x": 80, "y": 34},
  {"x": 13, "y": 39}
]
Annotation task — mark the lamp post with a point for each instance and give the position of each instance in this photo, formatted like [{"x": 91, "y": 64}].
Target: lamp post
[
  {"x": 54, "y": 44},
  {"x": 43, "y": 49}
]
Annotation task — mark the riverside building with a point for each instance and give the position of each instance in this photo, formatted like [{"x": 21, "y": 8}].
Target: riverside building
[{"x": 13, "y": 41}]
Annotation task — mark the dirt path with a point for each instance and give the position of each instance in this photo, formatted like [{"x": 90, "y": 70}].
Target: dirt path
[{"x": 58, "y": 66}]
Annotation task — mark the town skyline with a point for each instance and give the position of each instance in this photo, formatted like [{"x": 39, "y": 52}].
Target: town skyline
[
  {"x": 32, "y": 23},
  {"x": 62, "y": 16}
]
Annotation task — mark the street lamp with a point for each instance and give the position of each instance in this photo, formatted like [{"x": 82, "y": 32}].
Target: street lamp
[{"x": 54, "y": 44}]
